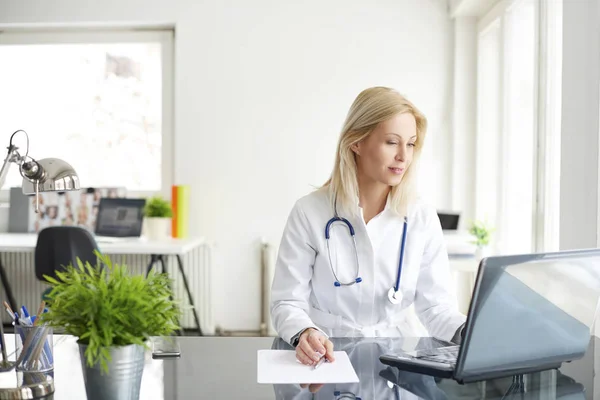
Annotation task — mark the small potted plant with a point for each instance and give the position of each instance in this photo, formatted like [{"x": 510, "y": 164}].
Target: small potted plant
[
  {"x": 482, "y": 233},
  {"x": 157, "y": 215},
  {"x": 113, "y": 313}
]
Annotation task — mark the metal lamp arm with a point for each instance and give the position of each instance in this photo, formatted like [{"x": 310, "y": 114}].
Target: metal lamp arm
[
  {"x": 30, "y": 170},
  {"x": 12, "y": 156},
  {"x": 44, "y": 175}
]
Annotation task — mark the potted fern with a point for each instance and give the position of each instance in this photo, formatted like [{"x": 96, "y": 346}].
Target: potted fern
[
  {"x": 113, "y": 313},
  {"x": 482, "y": 235},
  {"x": 157, "y": 215}
]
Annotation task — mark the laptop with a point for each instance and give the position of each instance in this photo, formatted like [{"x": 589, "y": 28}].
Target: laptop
[
  {"x": 528, "y": 313},
  {"x": 548, "y": 385},
  {"x": 119, "y": 219}
]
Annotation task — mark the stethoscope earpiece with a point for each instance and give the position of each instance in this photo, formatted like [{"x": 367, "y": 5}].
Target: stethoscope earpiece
[{"x": 338, "y": 284}]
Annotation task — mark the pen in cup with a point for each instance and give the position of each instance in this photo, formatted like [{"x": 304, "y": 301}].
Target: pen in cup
[
  {"x": 34, "y": 340},
  {"x": 13, "y": 314},
  {"x": 40, "y": 311}
]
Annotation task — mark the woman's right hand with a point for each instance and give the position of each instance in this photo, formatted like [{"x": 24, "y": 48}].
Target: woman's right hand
[{"x": 312, "y": 345}]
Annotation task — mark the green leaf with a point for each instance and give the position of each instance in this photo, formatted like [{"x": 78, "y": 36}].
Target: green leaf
[
  {"x": 482, "y": 233},
  {"x": 105, "y": 305},
  {"x": 158, "y": 207}
]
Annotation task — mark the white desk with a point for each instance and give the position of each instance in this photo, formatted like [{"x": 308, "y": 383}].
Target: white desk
[
  {"x": 157, "y": 250},
  {"x": 464, "y": 270},
  {"x": 25, "y": 242}
]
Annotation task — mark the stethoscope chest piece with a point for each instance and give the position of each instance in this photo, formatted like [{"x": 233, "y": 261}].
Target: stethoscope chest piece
[{"x": 394, "y": 296}]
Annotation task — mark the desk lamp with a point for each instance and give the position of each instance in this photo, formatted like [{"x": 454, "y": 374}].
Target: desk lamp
[{"x": 45, "y": 175}]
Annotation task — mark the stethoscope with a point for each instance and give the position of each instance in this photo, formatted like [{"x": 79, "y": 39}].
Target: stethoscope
[
  {"x": 339, "y": 395},
  {"x": 394, "y": 295}
]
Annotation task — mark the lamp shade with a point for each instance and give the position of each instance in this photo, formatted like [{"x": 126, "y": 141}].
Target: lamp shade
[{"x": 56, "y": 176}]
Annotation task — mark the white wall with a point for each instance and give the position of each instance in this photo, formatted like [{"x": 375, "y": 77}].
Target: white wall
[
  {"x": 261, "y": 90},
  {"x": 579, "y": 182},
  {"x": 580, "y": 116}
]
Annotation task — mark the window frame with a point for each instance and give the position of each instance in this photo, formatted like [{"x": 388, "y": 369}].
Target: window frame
[
  {"x": 549, "y": 108},
  {"x": 546, "y": 184},
  {"x": 494, "y": 22},
  {"x": 163, "y": 35}
]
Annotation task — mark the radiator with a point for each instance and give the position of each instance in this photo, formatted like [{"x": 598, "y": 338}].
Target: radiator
[
  {"x": 266, "y": 269},
  {"x": 197, "y": 265},
  {"x": 268, "y": 258}
]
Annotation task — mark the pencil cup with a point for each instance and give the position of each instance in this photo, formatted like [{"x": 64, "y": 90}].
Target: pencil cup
[{"x": 35, "y": 348}]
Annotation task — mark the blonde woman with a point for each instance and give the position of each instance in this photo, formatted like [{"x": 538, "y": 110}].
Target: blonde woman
[{"x": 357, "y": 253}]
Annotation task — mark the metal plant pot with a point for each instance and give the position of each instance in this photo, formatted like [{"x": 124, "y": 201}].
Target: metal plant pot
[{"x": 124, "y": 377}]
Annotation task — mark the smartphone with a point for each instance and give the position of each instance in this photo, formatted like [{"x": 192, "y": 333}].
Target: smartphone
[{"x": 165, "y": 347}]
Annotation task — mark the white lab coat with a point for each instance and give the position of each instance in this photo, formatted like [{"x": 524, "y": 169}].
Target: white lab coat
[{"x": 303, "y": 293}]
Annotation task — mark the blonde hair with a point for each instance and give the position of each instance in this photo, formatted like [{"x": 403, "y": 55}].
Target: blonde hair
[{"x": 371, "y": 107}]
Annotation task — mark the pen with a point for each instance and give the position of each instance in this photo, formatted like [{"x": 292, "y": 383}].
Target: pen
[
  {"x": 40, "y": 311},
  {"x": 321, "y": 361},
  {"x": 12, "y": 315}
]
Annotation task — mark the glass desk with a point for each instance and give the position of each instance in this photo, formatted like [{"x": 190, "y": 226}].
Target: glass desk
[{"x": 225, "y": 368}]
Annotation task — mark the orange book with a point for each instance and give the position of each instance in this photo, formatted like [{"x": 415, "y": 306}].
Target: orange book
[{"x": 174, "y": 220}]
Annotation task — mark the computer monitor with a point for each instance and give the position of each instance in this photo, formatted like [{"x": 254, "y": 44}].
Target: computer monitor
[
  {"x": 120, "y": 217},
  {"x": 449, "y": 221}
]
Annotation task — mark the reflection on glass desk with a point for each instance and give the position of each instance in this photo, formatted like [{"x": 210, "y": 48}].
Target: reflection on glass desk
[{"x": 226, "y": 368}]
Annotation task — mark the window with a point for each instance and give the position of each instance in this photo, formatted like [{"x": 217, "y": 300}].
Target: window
[
  {"x": 487, "y": 173},
  {"x": 99, "y": 100},
  {"x": 518, "y": 191},
  {"x": 516, "y": 178}
]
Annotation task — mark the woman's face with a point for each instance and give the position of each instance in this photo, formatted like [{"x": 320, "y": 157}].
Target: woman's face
[{"x": 385, "y": 155}]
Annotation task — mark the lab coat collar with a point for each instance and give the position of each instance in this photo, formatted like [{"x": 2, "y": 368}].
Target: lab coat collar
[{"x": 387, "y": 207}]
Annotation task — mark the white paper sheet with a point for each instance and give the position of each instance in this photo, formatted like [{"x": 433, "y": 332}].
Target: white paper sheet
[{"x": 280, "y": 366}]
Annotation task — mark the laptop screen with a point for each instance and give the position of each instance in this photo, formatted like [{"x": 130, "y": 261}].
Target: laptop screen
[
  {"x": 529, "y": 311},
  {"x": 120, "y": 217}
]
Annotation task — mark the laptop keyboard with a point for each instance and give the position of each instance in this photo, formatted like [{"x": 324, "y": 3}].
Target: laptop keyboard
[{"x": 445, "y": 355}]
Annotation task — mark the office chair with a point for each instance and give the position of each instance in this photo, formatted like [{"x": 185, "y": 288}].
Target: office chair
[{"x": 59, "y": 246}]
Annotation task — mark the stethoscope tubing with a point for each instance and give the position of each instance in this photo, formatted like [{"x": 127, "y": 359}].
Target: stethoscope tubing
[
  {"x": 358, "y": 279},
  {"x": 401, "y": 261},
  {"x": 337, "y": 282}
]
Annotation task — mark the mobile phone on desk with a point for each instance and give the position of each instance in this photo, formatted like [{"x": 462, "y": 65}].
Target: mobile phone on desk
[{"x": 165, "y": 347}]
